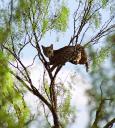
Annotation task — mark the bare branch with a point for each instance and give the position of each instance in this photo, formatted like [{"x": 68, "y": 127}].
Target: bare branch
[
  {"x": 110, "y": 123},
  {"x": 20, "y": 79},
  {"x": 84, "y": 33},
  {"x": 84, "y": 21},
  {"x": 21, "y": 72},
  {"x": 32, "y": 61},
  {"x": 75, "y": 14},
  {"x": 101, "y": 34},
  {"x": 34, "y": 91},
  {"x": 23, "y": 47}
]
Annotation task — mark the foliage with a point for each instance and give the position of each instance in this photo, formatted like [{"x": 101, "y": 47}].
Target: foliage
[
  {"x": 104, "y": 3},
  {"x": 61, "y": 19},
  {"x": 13, "y": 110},
  {"x": 43, "y": 19},
  {"x": 103, "y": 78},
  {"x": 100, "y": 56},
  {"x": 59, "y": 22},
  {"x": 65, "y": 109}
]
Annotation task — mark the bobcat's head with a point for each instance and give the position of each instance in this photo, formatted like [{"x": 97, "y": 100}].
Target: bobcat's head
[{"x": 48, "y": 51}]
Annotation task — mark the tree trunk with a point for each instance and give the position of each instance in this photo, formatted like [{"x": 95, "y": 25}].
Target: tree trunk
[{"x": 53, "y": 97}]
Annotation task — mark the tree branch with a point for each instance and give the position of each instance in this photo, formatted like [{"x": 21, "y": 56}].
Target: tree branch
[{"x": 110, "y": 123}]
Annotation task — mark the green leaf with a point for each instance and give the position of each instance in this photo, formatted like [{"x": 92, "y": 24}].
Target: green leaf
[
  {"x": 100, "y": 57},
  {"x": 104, "y": 3},
  {"x": 44, "y": 26},
  {"x": 61, "y": 20}
]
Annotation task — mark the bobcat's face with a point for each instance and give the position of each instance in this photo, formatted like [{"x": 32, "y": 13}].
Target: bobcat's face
[{"x": 48, "y": 51}]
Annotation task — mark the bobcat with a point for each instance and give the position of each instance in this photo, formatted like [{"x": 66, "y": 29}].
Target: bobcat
[{"x": 74, "y": 54}]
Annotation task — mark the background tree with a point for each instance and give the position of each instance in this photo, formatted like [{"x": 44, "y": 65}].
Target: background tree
[
  {"x": 24, "y": 24},
  {"x": 103, "y": 91}
]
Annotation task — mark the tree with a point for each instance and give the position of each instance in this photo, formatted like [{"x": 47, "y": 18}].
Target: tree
[
  {"x": 25, "y": 23},
  {"x": 103, "y": 91}
]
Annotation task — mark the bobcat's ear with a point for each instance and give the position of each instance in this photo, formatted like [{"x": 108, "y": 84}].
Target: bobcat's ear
[{"x": 51, "y": 46}]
